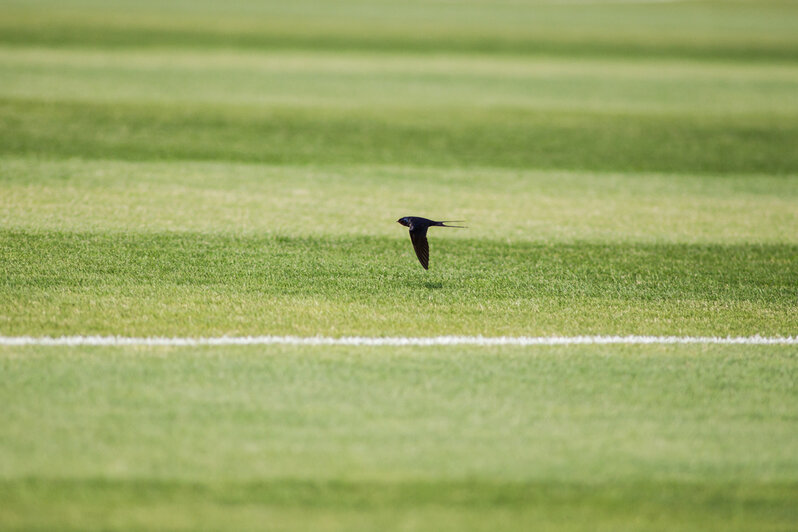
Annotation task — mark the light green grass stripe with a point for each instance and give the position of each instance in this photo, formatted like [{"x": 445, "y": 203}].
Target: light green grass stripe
[
  {"x": 500, "y": 204},
  {"x": 715, "y": 414},
  {"x": 359, "y": 79},
  {"x": 617, "y": 437}
]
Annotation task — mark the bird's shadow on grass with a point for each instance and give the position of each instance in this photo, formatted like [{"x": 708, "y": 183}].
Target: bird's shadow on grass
[{"x": 427, "y": 285}]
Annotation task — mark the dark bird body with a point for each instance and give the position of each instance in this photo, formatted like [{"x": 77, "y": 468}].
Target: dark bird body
[{"x": 418, "y": 235}]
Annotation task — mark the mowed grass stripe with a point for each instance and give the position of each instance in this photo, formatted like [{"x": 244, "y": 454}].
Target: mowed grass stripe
[
  {"x": 418, "y": 136},
  {"x": 720, "y": 415},
  {"x": 205, "y": 285},
  {"x": 643, "y": 271},
  {"x": 718, "y": 30},
  {"x": 674, "y": 436},
  {"x": 360, "y": 79},
  {"x": 498, "y": 204},
  {"x": 85, "y": 505}
]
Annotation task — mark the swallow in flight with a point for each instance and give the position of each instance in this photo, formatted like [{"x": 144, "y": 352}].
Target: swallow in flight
[{"x": 418, "y": 234}]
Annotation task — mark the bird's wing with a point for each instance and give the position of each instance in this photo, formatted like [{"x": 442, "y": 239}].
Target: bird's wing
[{"x": 420, "y": 244}]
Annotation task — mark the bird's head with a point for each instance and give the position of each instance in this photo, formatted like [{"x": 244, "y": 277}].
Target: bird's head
[{"x": 403, "y": 221}]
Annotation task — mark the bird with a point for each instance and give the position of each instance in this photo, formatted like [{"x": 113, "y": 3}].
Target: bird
[{"x": 418, "y": 234}]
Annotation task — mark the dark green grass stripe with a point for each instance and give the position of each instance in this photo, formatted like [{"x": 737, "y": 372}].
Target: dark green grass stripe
[
  {"x": 365, "y": 269},
  {"x": 122, "y": 37},
  {"x": 475, "y": 492},
  {"x": 339, "y": 505},
  {"x": 199, "y": 285},
  {"x": 440, "y": 137}
]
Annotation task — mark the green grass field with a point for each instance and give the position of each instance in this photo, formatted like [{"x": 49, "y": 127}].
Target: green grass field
[{"x": 198, "y": 168}]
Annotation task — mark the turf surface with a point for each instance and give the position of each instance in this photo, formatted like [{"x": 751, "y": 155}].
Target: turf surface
[
  {"x": 193, "y": 285},
  {"x": 199, "y": 168},
  {"x": 657, "y": 438}
]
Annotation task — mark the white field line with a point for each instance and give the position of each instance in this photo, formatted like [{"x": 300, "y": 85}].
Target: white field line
[{"x": 392, "y": 341}]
